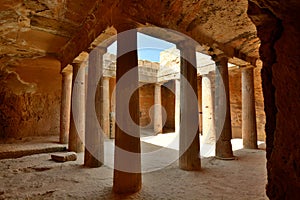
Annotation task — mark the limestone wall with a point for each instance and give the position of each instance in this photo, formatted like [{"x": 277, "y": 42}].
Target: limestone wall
[
  {"x": 30, "y": 98},
  {"x": 168, "y": 102},
  {"x": 146, "y": 102}
]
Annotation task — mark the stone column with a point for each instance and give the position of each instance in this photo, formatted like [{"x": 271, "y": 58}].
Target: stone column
[
  {"x": 177, "y": 105},
  {"x": 189, "y": 145},
  {"x": 65, "y": 107},
  {"x": 94, "y": 140},
  {"x": 222, "y": 110},
  {"x": 127, "y": 163},
  {"x": 105, "y": 123},
  {"x": 112, "y": 115},
  {"x": 199, "y": 86},
  {"x": 77, "y": 122},
  {"x": 157, "y": 124},
  {"x": 208, "y": 118},
  {"x": 249, "y": 132}
]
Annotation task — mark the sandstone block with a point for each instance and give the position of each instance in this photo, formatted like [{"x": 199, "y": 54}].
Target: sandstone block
[{"x": 64, "y": 157}]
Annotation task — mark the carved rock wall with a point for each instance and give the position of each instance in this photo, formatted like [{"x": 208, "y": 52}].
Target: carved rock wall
[
  {"x": 277, "y": 24},
  {"x": 30, "y": 98}
]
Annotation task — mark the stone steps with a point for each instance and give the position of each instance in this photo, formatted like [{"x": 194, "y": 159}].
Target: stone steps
[{"x": 34, "y": 146}]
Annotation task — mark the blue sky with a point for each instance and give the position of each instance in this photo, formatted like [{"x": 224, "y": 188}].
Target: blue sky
[{"x": 149, "y": 48}]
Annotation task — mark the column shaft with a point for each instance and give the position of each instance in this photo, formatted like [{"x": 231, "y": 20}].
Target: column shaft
[
  {"x": 77, "y": 122},
  {"x": 94, "y": 141},
  {"x": 199, "y": 86},
  {"x": 112, "y": 84},
  {"x": 249, "y": 132},
  {"x": 177, "y": 105},
  {"x": 65, "y": 107},
  {"x": 127, "y": 163},
  {"x": 189, "y": 145},
  {"x": 222, "y": 103},
  {"x": 157, "y": 109},
  {"x": 105, "y": 123}
]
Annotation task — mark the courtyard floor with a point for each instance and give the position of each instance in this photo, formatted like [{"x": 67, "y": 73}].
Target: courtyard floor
[{"x": 38, "y": 177}]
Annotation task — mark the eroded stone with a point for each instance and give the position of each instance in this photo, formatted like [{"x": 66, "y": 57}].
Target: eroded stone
[{"x": 64, "y": 157}]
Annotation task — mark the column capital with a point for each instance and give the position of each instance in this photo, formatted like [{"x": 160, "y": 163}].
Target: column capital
[
  {"x": 106, "y": 77},
  {"x": 188, "y": 43},
  {"x": 125, "y": 25},
  {"x": 246, "y": 67},
  {"x": 79, "y": 64},
  {"x": 199, "y": 77},
  {"x": 67, "y": 70},
  {"x": 100, "y": 49},
  {"x": 219, "y": 58}
]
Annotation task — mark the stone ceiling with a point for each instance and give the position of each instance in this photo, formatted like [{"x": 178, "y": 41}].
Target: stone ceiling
[{"x": 64, "y": 28}]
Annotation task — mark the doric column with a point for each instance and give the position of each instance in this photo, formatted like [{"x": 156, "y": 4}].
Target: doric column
[
  {"x": 249, "y": 132},
  {"x": 189, "y": 144},
  {"x": 127, "y": 163},
  {"x": 112, "y": 116},
  {"x": 157, "y": 124},
  {"x": 77, "y": 122},
  {"x": 208, "y": 127},
  {"x": 105, "y": 123},
  {"x": 199, "y": 86},
  {"x": 222, "y": 110},
  {"x": 177, "y": 105},
  {"x": 65, "y": 107},
  {"x": 94, "y": 140}
]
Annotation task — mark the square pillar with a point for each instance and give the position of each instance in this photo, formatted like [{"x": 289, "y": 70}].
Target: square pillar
[
  {"x": 189, "y": 141},
  {"x": 94, "y": 139},
  {"x": 222, "y": 110},
  {"x": 127, "y": 164}
]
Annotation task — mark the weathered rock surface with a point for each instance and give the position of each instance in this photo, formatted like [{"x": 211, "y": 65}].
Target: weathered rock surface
[
  {"x": 277, "y": 24},
  {"x": 30, "y": 98},
  {"x": 64, "y": 157}
]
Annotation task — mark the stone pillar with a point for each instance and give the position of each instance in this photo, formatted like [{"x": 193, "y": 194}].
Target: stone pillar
[
  {"x": 199, "y": 86},
  {"x": 112, "y": 116},
  {"x": 222, "y": 110},
  {"x": 208, "y": 118},
  {"x": 77, "y": 122},
  {"x": 189, "y": 144},
  {"x": 127, "y": 163},
  {"x": 65, "y": 107},
  {"x": 94, "y": 141},
  {"x": 249, "y": 132},
  {"x": 157, "y": 124},
  {"x": 177, "y": 105},
  {"x": 105, "y": 123}
]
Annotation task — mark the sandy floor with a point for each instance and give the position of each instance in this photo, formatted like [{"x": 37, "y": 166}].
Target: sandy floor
[{"x": 38, "y": 177}]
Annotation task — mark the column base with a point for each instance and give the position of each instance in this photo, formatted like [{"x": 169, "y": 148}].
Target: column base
[
  {"x": 224, "y": 150},
  {"x": 250, "y": 146},
  {"x": 127, "y": 183},
  {"x": 228, "y": 158}
]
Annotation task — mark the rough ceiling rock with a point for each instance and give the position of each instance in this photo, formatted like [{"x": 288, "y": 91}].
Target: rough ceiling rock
[
  {"x": 65, "y": 28},
  {"x": 39, "y": 27}
]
